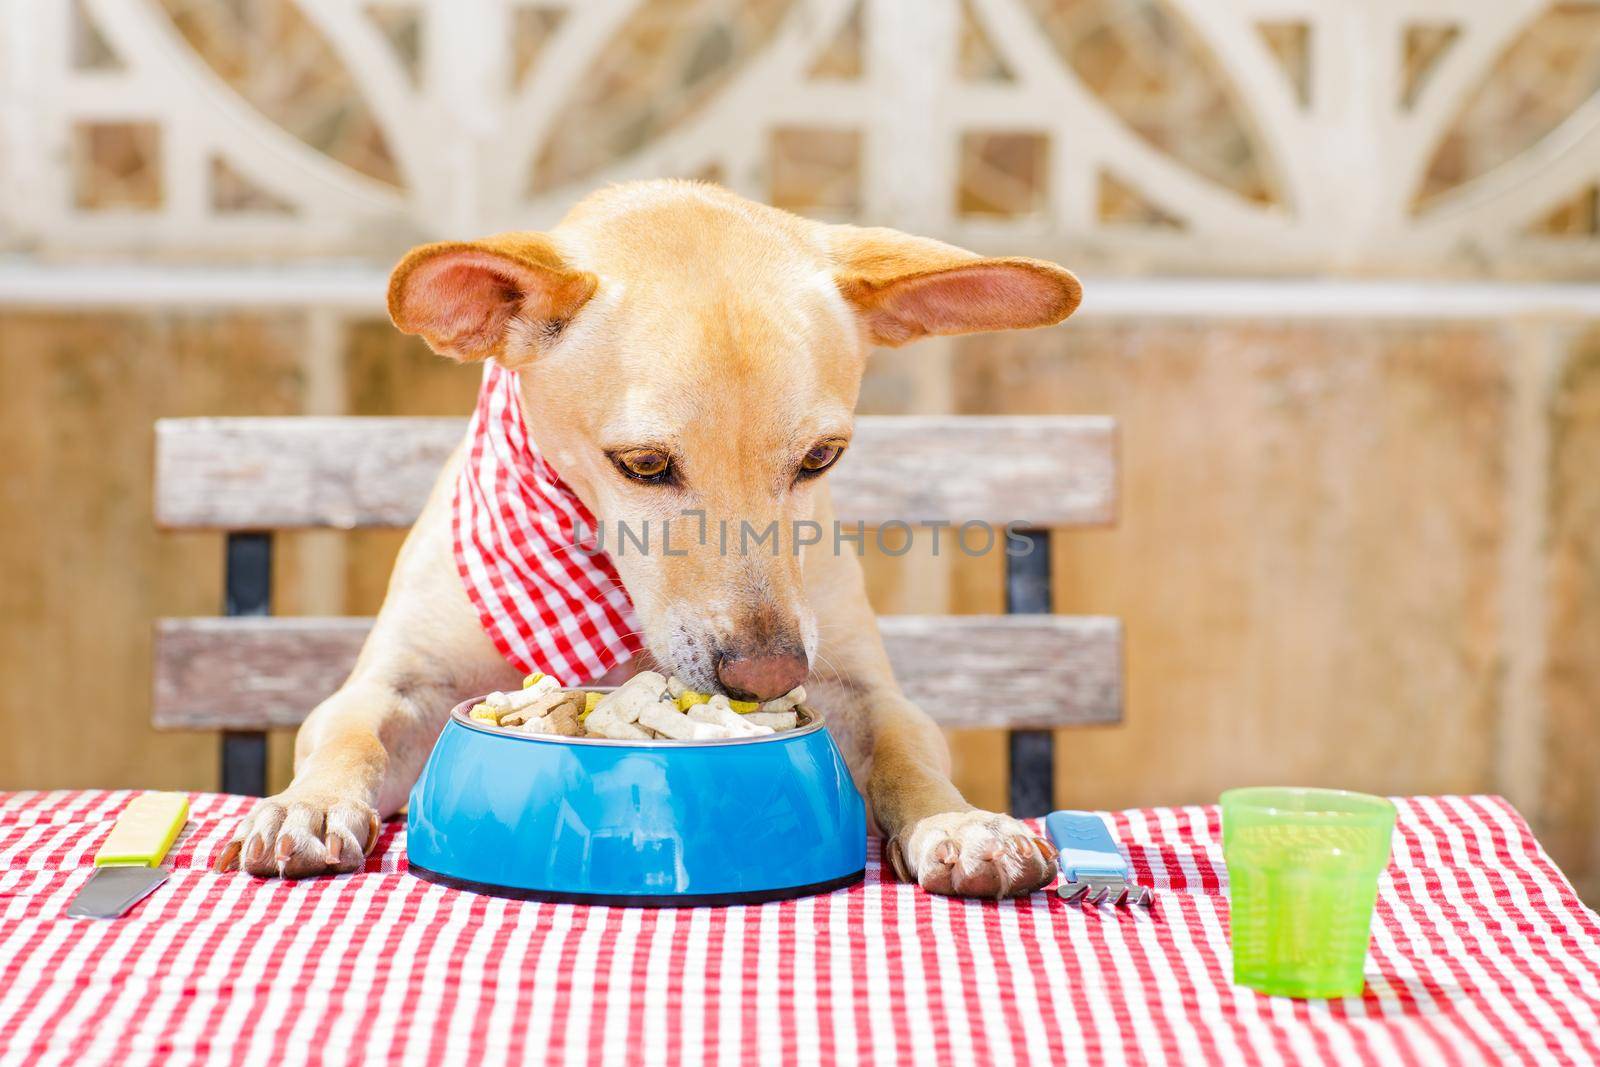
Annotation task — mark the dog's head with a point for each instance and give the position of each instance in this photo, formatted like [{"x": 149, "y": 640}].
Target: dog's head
[{"x": 689, "y": 363}]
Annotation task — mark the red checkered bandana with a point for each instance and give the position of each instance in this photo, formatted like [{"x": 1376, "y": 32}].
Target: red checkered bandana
[{"x": 546, "y": 605}]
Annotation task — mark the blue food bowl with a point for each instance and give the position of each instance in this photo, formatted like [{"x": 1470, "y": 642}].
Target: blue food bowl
[{"x": 644, "y": 823}]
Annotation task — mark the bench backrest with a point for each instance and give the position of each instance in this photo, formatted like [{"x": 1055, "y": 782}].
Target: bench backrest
[
  {"x": 348, "y": 472},
  {"x": 1028, "y": 670}
]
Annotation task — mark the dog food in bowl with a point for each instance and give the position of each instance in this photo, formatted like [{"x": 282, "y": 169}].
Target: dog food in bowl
[{"x": 648, "y": 707}]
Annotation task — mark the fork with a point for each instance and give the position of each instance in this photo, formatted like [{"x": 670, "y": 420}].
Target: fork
[{"x": 1093, "y": 871}]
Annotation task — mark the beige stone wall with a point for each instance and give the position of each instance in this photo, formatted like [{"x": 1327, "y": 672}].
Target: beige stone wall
[
  {"x": 82, "y": 569},
  {"x": 1356, "y": 553},
  {"x": 1308, "y": 557},
  {"x": 1569, "y": 798}
]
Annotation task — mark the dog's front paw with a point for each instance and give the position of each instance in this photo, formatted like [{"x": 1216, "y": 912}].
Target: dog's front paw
[
  {"x": 973, "y": 854},
  {"x": 301, "y": 834}
]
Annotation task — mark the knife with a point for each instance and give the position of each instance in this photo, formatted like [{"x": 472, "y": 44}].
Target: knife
[{"x": 127, "y": 866}]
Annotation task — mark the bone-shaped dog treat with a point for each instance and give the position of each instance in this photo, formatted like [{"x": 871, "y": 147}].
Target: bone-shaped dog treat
[
  {"x": 700, "y": 730},
  {"x": 717, "y": 712},
  {"x": 522, "y": 698},
  {"x": 775, "y": 720},
  {"x": 621, "y": 708},
  {"x": 792, "y": 699},
  {"x": 563, "y": 720},
  {"x": 560, "y": 719},
  {"x": 665, "y": 718},
  {"x": 638, "y": 693},
  {"x": 535, "y": 709},
  {"x": 607, "y": 723},
  {"x": 735, "y": 712},
  {"x": 617, "y": 731}
]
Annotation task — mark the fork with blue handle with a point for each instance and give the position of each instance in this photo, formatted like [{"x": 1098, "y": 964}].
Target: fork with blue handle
[{"x": 1093, "y": 871}]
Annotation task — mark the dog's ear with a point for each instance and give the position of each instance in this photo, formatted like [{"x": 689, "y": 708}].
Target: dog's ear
[
  {"x": 906, "y": 287},
  {"x": 505, "y": 297}
]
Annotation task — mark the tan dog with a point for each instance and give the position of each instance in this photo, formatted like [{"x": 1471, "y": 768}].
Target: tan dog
[{"x": 651, "y": 309}]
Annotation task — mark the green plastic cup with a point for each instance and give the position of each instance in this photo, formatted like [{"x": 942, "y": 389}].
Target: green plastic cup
[{"x": 1303, "y": 868}]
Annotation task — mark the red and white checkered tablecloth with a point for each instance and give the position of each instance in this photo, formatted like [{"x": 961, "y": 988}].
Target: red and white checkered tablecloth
[{"x": 1482, "y": 954}]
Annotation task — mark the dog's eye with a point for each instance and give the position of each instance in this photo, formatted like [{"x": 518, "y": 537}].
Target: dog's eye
[
  {"x": 821, "y": 457},
  {"x": 644, "y": 465}
]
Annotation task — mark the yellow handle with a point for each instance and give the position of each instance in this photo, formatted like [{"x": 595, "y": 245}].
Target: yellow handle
[{"x": 144, "y": 831}]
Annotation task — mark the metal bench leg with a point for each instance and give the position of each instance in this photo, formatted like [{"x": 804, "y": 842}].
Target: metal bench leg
[
  {"x": 247, "y": 578},
  {"x": 1033, "y": 752},
  {"x": 244, "y": 762}
]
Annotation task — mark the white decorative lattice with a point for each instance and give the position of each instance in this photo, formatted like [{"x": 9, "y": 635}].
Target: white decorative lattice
[{"x": 462, "y": 112}]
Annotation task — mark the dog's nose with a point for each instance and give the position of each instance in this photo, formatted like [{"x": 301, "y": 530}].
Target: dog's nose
[{"x": 764, "y": 677}]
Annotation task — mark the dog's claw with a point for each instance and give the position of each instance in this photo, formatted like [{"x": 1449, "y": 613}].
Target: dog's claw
[
  {"x": 897, "y": 863},
  {"x": 254, "y": 850}
]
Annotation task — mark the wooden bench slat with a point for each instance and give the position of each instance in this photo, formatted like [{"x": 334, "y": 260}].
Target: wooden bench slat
[
  {"x": 1022, "y": 671},
  {"x": 346, "y": 472}
]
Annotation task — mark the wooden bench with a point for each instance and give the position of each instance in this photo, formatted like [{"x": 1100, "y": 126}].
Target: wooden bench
[{"x": 1027, "y": 671}]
